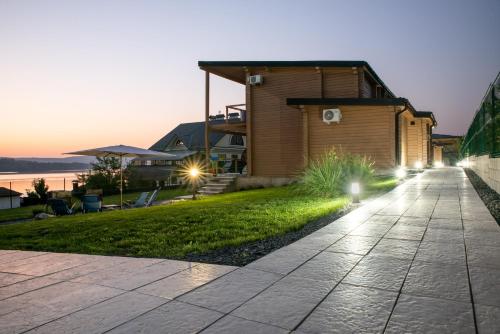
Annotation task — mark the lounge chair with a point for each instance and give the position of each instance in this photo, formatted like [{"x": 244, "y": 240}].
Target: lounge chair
[
  {"x": 140, "y": 202},
  {"x": 153, "y": 197},
  {"x": 59, "y": 207},
  {"x": 91, "y": 203}
]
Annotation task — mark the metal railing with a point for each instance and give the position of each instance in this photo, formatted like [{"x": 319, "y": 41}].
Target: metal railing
[{"x": 483, "y": 135}]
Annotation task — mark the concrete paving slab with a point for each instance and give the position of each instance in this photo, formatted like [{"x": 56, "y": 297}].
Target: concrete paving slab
[
  {"x": 438, "y": 280},
  {"x": 296, "y": 298},
  {"x": 103, "y": 316},
  {"x": 185, "y": 281},
  {"x": 232, "y": 290},
  {"x": 327, "y": 266},
  {"x": 351, "y": 309},
  {"x": 485, "y": 284},
  {"x": 379, "y": 272},
  {"x": 452, "y": 253},
  {"x": 173, "y": 318},
  {"x": 231, "y": 325},
  {"x": 354, "y": 244},
  {"x": 430, "y": 315}
]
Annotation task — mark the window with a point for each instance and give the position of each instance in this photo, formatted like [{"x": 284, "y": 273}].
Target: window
[
  {"x": 179, "y": 142},
  {"x": 412, "y": 123},
  {"x": 237, "y": 140}
]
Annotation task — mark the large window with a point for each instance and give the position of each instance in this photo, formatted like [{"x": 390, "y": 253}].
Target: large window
[{"x": 237, "y": 140}]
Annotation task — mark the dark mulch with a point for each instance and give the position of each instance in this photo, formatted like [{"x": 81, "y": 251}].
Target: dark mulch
[
  {"x": 489, "y": 196},
  {"x": 244, "y": 254}
]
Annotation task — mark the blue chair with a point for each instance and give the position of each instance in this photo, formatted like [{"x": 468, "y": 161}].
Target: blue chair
[
  {"x": 91, "y": 203},
  {"x": 140, "y": 202}
]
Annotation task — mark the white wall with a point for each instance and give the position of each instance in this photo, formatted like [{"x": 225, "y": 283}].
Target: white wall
[
  {"x": 488, "y": 169},
  {"x": 5, "y": 202}
]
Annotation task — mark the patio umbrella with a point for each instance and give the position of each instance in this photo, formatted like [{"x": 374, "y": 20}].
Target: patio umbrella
[{"x": 122, "y": 151}]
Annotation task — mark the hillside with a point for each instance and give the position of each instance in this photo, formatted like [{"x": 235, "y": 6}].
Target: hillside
[{"x": 23, "y": 166}]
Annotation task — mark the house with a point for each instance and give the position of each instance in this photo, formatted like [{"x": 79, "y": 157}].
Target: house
[
  {"x": 446, "y": 148},
  {"x": 9, "y": 199},
  {"x": 187, "y": 142},
  {"x": 295, "y": 110}
]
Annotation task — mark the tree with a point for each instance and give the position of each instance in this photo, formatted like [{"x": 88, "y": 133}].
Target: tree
[
  {"x": 40, "y": 192},
  {"x": 105, "y": 175}
]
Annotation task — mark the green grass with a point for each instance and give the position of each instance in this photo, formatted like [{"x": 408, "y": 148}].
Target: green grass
[
  {"x": 26, "y": 212},
  {"x": 178, "y": 229},
  {"x": 162, "y": 195}
]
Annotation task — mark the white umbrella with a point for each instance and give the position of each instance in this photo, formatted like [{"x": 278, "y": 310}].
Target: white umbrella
[{"x": 122, "y": 151}]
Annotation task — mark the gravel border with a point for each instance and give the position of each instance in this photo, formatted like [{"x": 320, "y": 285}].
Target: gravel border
[{"x": 489, "y": 196}]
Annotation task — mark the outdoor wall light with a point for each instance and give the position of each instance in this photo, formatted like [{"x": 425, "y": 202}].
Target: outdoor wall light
[
  {"x": 355, "y": 190},
  {"x": 400, "y": 173},
  {"x": 418, "y": 165},
  {"x": 194, "y": 172}
]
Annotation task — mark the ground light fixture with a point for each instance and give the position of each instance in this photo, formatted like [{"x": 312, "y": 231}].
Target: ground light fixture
[
  {"x": 355, "y": 190},
  {"x": 418, "y": 165},
  {"x": 194, "y": 174},
  {"x": 400, "y": 173}
]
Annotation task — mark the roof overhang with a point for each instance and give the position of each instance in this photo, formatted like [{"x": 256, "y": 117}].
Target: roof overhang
[
  {"x": 398, "y": 101},
  {"x": 237, "y": 70},
  {"x": 426, "y": 114}
]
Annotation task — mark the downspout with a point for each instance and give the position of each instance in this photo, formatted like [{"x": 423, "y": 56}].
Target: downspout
[{"x": 398, "y": 151}]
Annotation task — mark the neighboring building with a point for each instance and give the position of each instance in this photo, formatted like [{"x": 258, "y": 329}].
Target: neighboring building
[
  {"x": 295, "y": 110},
  {"x": 446, "y": 148},
  {"x": 9, "y": 198},
  {"x": 187, "y": 142}
]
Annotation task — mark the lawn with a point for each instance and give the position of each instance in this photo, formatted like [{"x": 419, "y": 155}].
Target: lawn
[
  {"x": 27, "y": 211},
  {"x": 180, "y": 228}
]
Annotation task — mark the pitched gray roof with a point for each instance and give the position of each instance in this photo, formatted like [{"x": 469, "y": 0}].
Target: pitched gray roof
[
  {"x": 191, "y": 134},
  {"x": 5, "y": 192}
]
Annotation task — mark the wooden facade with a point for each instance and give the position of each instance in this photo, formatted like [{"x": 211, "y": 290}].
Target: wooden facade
[{"x": 284, "y": 122}]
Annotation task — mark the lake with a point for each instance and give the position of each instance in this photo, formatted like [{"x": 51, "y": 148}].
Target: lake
[{"x": 55, "y": 181}]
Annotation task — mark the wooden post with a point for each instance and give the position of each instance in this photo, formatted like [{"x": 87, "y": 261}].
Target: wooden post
[
  {"x": 10, "y": 193},
  {"x": 248, "y": 121},
  {"x": 207, "y": 114},
  {"x": 305, "y": 136}
]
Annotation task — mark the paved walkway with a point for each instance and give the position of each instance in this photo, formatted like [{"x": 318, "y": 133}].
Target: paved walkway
[{"x": 424, "y": 258}]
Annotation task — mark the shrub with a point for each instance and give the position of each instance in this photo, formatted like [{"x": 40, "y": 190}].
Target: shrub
[{"x": 332, "y": 173}]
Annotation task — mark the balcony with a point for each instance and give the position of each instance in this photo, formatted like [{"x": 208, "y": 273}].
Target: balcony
[{"x": 233, "y": 121}]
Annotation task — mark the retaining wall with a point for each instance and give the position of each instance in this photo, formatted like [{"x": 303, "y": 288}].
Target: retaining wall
[{"x": 488, "y": 169}]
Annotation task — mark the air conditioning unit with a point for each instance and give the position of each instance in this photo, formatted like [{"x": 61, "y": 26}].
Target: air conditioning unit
[
  {"x": 254, "y": 80},
  {"x": 332, "y": 115}
]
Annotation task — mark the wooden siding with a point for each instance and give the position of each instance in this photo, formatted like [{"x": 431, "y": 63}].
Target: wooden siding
[
  {"x": 340, "y": 83},
  {"x": 403, "y": 140},
  {"x": 418, "y": 140},
  {"x": 438, "y": 153},
  {"x": 364, "y": 130},
  {"x": 277, "y": 127}
]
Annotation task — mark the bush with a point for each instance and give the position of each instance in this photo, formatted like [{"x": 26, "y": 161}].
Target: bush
[{"x": 332, "y": 173}]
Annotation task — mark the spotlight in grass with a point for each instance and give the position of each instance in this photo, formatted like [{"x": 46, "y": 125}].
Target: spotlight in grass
[
  {"x": 419, "y": 165},
  {"x": 400, "y": 173},
  {"x": 194, "y": 172},
  {"x": 355, "y": 190},
  {"x": 438, "y": 164},
  {"x": 193, "y": 175}
]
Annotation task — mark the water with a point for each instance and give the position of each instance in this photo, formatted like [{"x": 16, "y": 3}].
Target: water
[{"x": 22, "y": 182}]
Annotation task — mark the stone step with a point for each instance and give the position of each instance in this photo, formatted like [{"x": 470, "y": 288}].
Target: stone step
[{"x": 209, "y": 192}]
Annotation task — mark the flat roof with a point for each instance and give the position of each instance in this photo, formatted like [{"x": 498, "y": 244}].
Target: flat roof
[{"x": 235, "y": 70}]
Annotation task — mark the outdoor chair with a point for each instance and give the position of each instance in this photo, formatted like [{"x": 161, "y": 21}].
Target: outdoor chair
[
  {"x": 91, "y": 203},
  {"x": 59, "y": 207},
  {"x": 140, "y": 202},
  {"x": 153, "y": 197}
]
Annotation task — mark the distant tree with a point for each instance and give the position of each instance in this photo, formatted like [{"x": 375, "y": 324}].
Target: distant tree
[
  {"x": 105, "y": 175},
  {"x": 40, "y": 190}
]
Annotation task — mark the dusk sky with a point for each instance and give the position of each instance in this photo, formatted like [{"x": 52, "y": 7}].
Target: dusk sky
[{"x": 81, "y": 74}]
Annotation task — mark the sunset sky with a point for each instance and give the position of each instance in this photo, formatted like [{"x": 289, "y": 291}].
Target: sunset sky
[{"x": 80, "y": 74}]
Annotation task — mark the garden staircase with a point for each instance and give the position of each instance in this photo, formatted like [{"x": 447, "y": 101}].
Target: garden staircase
[{"x": 218, "y": 184}]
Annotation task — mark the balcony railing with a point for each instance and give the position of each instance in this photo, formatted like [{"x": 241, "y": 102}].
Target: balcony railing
[{"x": 234, "y": 113}]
